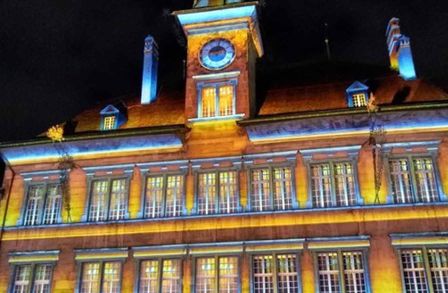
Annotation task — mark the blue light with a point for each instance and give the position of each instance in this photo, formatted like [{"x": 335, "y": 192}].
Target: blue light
[
  {"x": 405, "y": 60},
  {"x": 150, "y": 66},
  {"x": 186, "y": 18}
]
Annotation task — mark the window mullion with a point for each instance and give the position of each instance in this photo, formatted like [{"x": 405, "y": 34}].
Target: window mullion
[
  {"x": 341, "y": 271},
  {"x": 271, "y": 187},
  {"x": 217, "y": 192},
  {"x": 427, "y": 270},
  {"x": 109, "y": 198},
  {"x": 414, "y": 187},
  {"x": 44, "y": 203},
  {"x": 274, "y": 273},
  {"x": 332, "y": 185},
  {"x": 101, "y": 273},
  {"x": 217, "y": 112}
]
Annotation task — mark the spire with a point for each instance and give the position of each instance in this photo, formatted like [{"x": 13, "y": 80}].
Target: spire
[{"x": 400, "y": 53}]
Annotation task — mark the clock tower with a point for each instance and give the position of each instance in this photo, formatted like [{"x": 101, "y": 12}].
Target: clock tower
[{"x": 224, "y": 42}]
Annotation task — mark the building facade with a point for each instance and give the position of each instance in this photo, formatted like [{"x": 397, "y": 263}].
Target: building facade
[{"x": 233, "y": 184}]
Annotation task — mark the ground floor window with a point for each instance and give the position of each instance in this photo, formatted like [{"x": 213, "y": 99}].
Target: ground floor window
[
  {"x": 101, "y": 277},
  {"x": 32, "y": 278}
]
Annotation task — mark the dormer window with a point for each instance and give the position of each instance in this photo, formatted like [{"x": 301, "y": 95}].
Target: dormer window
[
  {"x": 112, "y": 117},
  {"x": 357, "y": 95},
  {"x": 216, "y": 99}
]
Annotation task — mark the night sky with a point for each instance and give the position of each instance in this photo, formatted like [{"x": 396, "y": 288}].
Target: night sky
[{"x": 58, "y": 57}]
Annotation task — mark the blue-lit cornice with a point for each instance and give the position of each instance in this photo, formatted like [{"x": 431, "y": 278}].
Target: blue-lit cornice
[
  {"x": 91, "y": 146},
  {"x": 345, "y": 123}
]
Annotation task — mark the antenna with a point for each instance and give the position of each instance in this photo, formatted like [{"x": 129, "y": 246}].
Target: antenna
[{"x": 327, "y": 42}]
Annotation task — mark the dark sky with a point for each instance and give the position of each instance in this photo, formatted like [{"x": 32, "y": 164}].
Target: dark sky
[{"x": 57, "y": 57}]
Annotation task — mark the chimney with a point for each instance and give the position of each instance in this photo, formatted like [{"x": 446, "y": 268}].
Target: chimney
[
  {"x": 150, "y": 65},
  {"x": 400, "y": 53}
]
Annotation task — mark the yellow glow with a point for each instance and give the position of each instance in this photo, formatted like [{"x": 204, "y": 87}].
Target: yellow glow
[
  {"x": 208, "y": 102},
  {"x": 226, "y": 100}
]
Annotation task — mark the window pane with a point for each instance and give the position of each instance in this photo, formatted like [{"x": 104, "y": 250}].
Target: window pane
[
  {"x": 207, "y": 194},
  {"x": 90, "y": 279},
  {"x": 354, "y": 272},
  {"x": 22, "y": 279},
  {"x": 401, "y": 181},
  {"x": 228, "y": 275},
  {"x": 344, "y": 184},
  {"x": 413, "y": 271},
  {"x": 328, "y": 271},
  {"x": 118, "y": 199},
  {"x": 111, "y": 277},
  {"x": 226, "y": 100},
  {"x": 438, "y": 263},
  {"x": 98, "y": 201},
  {"x": 154, "y": 197},
  {"x": 109, "y": 122},
  {"x": 261, "y": 197},
  {"x": 208, "y": 102},
  {"x": 42, "y": 278},
  {"x": 282, "y": 189},
  {"x": 149, "y": 276},
  {"x": 263, "y": 278},
  {"x": 35, "y": 199},
  {"x": 171, "y": 276},
  {"x": 174, "y": 191},
  {"x": 287, "y": 279},
  {"x": 359, "y": 100},
  {"x": 321, "y": 185},
  {"x": 205, "y": 275},
  {"x": 53, "y": 204},
  {"x": 425, "y": 180},
  {"x": 228, "y": 195}
]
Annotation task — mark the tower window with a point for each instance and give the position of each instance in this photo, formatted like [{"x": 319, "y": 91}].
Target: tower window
[
  {"x": 216, "y": 99},
  {"x": 109, "y": 122}
]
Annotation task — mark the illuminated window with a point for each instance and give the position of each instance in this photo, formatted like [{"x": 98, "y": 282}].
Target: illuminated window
[
  {"x": 160, "y": 276},
  {"x": 217, "y": 100},
  {"x": 413, "y": 180},
  {"x": 217, "y": 274},
  {"x": 43, "y": 204},
  {"x": 425, "y": 269},
  {"x": 163, "y": 197},
  {"x": 108, "y": 200},
  {"x": 275, "y": 273},
  {"x": 271, "y": 189},
  {"x": 332, "y": 184},
  {"x": 109, "y": 122},
  {"x": 101, "y": 277},
  {"x": 217, "y": 193},
  {"x": 341, "y": 271},
  {"x": 359, "y": 100},
  {"x": 32, "y": 278}
]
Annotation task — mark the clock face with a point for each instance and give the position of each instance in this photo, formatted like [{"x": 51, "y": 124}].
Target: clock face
[{"x": 217, "y": 54}]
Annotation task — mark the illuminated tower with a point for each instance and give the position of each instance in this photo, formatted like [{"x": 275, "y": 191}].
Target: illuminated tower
[
  {"x": 224, "y": 42},
  {"x": 150, "y": 65},
  {"x": 400, "y": 53}
]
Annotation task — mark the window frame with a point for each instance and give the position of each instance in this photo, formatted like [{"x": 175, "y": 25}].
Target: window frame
[
  {"x": 90, "y": 180},
  {"x": 353, "y": 159},
  {"x": 23, "y": 210},
  {"x": 427, "y": 268},
  {"x": 271, "y": 166},
  {"x": 216, "y": 84},
  {"x": 340, "y": 251},
  {"x": 33, "y": 265},
  {"x": 79, "y": 269},
  {"x": 410, "y": 158},
  {"x": 165, "y": 176},
  {"x": 274, "y": 255},
  {"x": 216, "y": 171},
  {"x": 103, "y": 121},
  {"x": 160, "y": 260},
  {"x": 216, "y": 257}
]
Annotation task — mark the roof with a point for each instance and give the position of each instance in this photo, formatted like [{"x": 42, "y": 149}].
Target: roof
[{"x": 295, "y": 89}]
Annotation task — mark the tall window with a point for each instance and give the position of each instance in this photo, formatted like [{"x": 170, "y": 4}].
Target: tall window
[
  {"x": 413, "y": 180},
  {"x": 101, "y": 277},
  {"x": 109, "y": 122},
  {"x": 217, "y": 100},
  {"x": 359, "y": 100},
  {"x": 341, "y": 272},
  {"x": 217, "y": 274},
  {"x": 425, "y": 270},
  {"x": 217, "y": 192},
  {"x": 160, "y": 276},
  {"x": 108, "y": 199},
  {"x": 32, "y": 278},
  {"x": 43, "y": 204},
  {"x": 271, "y": 189},
  {"x": 163, "y": 197},
  {"x": 275, "y": 273},
  {"x": 332, "y": 184}
]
